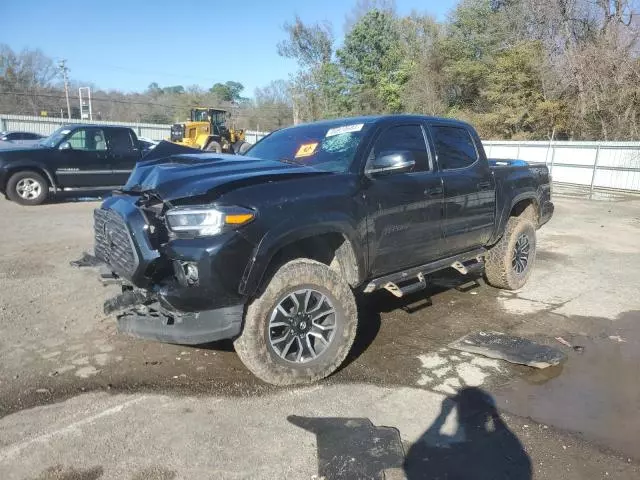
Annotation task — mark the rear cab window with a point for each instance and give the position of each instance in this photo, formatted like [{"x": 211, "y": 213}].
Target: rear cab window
[
  {"x": 454, "y": 146},
  {"x": 120, "y": 141}
]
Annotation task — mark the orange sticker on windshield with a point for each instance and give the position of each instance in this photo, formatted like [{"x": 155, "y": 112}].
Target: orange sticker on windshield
[{"x": 306, "y": 150}]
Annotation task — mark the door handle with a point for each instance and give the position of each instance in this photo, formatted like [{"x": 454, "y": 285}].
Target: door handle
[
  {"x": 433, "y": 192},
  {"x": 484, "y": 185}
]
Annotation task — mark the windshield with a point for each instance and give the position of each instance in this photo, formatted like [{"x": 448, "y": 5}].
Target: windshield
[
  {"x": 329, "y": 148},
  {"x": 53, "y": 139}
]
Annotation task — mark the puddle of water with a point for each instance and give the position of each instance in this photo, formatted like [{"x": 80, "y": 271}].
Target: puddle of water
[
  {"x": 539, "y": 377},
  {"x": 595, "y": 393}
]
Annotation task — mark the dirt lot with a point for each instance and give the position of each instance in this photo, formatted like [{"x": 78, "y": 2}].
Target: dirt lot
[{"x": 57, "y": 347}]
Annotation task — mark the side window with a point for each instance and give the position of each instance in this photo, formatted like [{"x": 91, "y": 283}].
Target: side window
[
  {"x": 88, "y": 139},
  {"x": 404, "y": 137},
  {"x": 454, "y": 146},
  {"x": 120, "y": 141}
]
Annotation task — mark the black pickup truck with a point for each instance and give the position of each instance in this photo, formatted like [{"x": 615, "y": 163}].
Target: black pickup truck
[
  {"x": 269, "y": 249},
  {"x": 74, "y": 156}
]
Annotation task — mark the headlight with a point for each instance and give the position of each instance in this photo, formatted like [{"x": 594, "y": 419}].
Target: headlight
[{"x": 205, "y": 221}]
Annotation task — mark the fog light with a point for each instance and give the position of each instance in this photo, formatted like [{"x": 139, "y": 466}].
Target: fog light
[
  {"x": 186, "y": 273},
  {"x": 191, "y": 273}
]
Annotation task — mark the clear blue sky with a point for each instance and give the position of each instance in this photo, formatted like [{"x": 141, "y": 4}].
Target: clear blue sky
[{"x": 126, "y": 45}]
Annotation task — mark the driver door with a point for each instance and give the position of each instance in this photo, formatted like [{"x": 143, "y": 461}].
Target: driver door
[
  {"x": 86, "y": 163},
  {"x": 404, "y": 209}
]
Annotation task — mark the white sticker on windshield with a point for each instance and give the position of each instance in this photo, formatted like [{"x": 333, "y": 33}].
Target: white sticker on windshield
[
  {"x": 64, "y": 132},
  {"x": 344, "y": 129}
]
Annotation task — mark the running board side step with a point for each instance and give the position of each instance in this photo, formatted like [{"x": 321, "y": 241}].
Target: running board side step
[{"x": 390, "y": 282}]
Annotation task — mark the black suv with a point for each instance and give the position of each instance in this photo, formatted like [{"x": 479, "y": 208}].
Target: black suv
[
  {"x": 74, "y": 156},
  {"x": 269, "y": 249}
]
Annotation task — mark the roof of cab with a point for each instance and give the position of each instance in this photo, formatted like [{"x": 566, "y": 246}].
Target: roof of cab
[{"x": 380, "y": 119}]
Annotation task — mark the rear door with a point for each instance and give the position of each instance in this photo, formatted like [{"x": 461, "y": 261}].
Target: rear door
[
  {"x": 404, "y": 210},
  {"x": 86, "y": 163},
  {"x": 124, "y": 152},
  {"x": 469, "y": 188}
]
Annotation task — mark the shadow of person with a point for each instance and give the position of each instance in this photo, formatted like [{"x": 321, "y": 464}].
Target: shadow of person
[{"x": 482, "y": 447}]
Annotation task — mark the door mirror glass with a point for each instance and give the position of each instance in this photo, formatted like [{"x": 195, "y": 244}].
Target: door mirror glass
[
  {"x": 65, "y": 146},
  {"x": 388, "y": 162}
]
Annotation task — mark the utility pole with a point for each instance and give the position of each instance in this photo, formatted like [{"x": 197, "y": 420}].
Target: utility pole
[{"x": 65, "y": 70}]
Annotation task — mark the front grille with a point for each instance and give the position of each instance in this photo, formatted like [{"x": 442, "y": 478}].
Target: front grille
[
  {"x": 113, "y": 244},
  {"x": 177, "y": 132}
]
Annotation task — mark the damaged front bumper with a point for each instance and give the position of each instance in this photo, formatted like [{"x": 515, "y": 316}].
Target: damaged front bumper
[
  {"x": 154, "y": 322},
  {"x": 159, "y": 300},
  {"x": 143, "y": 314}
]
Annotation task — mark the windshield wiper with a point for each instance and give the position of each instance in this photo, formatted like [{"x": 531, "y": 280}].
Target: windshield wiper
[{"x": 291, "y": 162}]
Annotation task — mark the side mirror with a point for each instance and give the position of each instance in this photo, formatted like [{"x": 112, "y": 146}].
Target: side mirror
[
  {"x": 65, "y": 146},
  {"x": 388, "y": 162}
]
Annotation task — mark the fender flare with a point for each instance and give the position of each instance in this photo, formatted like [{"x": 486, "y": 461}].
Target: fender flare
[
  {"x": 293, "y": 230},
  {"x": 502, "y": 219},
  {"x": 528, "y": 195}
]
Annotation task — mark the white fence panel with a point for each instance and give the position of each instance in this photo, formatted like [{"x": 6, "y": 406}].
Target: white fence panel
[
  {"x": 614, "y": 165},
  {"x": 47, "y": 125},
  {"x": 252, "y": 136}
]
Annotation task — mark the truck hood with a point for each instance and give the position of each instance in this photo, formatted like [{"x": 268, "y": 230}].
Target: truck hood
[
  {"x": 188, "y": 175},
  {"x": 9, "y": 145},
  {"x": 19, "y": 148},
  {"x": 24, "y": 153}
]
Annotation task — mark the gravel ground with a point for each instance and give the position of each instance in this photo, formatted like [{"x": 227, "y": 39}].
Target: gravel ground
[{"x": 56, "y": 345}]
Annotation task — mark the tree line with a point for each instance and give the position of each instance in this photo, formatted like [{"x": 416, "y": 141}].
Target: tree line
[
  {"x": 517, "y": 69},
  {"x": 31, "y": 84}
]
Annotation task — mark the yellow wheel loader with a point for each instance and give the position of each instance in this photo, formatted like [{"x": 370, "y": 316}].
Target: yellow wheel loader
[{"x": 207, "y": 130}]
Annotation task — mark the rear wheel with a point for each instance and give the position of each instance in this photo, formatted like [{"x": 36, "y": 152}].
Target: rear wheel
[
  {"x": 242, "y": 149},
  {"x": 509, "y": 262},
  {"x": 301, "y": 328},
  {"x": 27, "y": 188},
  {"x": 214, "y": 146}
]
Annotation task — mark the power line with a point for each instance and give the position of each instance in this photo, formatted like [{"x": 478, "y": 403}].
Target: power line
[
  {"x": 149, "y": 72},
  {"x": 124, "y": 102}
]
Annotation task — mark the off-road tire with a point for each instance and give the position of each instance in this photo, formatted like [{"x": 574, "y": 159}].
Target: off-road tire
[
  {"x": 498, "y": 262},
  {"x": 16, "y": 178},
  {"x": 253, "y": 344},
  {"x": 213, "y": 146}
]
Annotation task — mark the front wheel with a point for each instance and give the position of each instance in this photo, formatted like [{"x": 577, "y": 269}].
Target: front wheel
[
  {"x": 214, "y": 146},
  {"x": 301, "y": 328},
  {"x": 509, "y": 262},
  {"x": 27, "y": 188}
]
